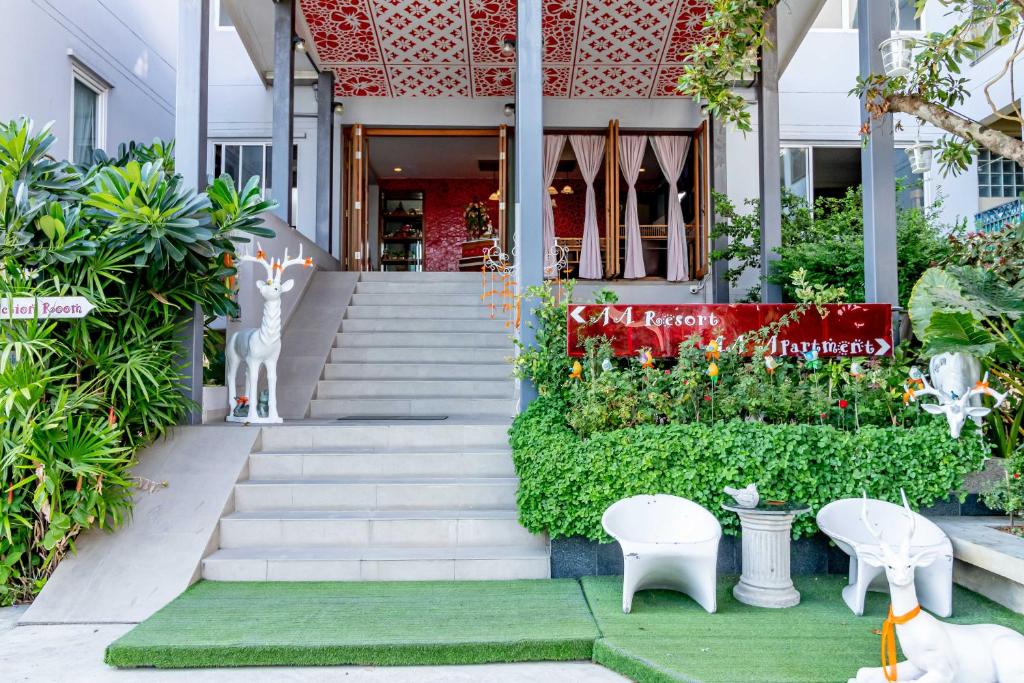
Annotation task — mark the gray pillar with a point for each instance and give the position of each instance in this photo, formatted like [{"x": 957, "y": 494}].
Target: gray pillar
[
  {"x": 284, "y": 104},
  {"x": 877, "y": 166},
  {"x": 190, "y": 111},
  {"x": 529, "y": 161},
  {"x": 719, "y": 183},
  {"x": 771, "y": 177},
  {"x": 324, "y": 158}
]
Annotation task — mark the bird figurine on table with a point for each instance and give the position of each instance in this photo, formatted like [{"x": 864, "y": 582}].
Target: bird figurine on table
[{"x": 746, "y": 497}]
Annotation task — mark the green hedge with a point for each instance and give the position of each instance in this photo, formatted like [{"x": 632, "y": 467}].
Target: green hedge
[{"x": 567, "y": 483}]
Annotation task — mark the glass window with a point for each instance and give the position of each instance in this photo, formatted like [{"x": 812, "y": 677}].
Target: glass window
[
  {"x": 85, "y": 112},
  {"x": 243, "y": 161},
  {"x": 909, "y": 185},
  {"x": 999, "y": 177},
  {"x": 903, "y": 18},
  {"x": 794, "y": 165},
  {"x": 252, "y": 162},
  {"x": 223, "y": 18},
  {"x": 830, "y": 16}
]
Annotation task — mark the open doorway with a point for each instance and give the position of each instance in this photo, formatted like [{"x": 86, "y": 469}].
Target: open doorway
[{"x": 433, "y": 198}]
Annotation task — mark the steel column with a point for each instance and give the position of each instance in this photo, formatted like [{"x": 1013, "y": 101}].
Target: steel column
[
  {"x": 324, "y": 158},
  {"x": 190, "y": 133},
  {"x": 284, "y": 108},
  {"x": 877, "y": 166},
  {"x": 771, "y": 176},
  {"x": 529, "y": 162},
  {"x": 719, "y": 183}
]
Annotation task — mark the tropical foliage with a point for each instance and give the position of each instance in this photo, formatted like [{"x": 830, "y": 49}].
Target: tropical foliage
[
  {"x": 827, "y": 241},
  {"x": 80, "y": 397},
  {"x": 734, "y": 35}
]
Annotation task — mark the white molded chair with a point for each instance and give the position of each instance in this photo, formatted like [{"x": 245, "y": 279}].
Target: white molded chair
[
  {"x": 667, "y": 542},
  {"x": 842, "y": 521}
]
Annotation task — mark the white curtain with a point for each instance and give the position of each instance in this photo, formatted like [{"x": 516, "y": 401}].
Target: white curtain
[
  {"x": 671, "y": 152},
  {"x": 553, "y": 145},
  {"x": 589, "y": 150},
  {"x": 631, "y": 156}
]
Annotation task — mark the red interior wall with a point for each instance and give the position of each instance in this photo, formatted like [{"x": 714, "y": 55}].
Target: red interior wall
[{"x": 444, "y": 202}]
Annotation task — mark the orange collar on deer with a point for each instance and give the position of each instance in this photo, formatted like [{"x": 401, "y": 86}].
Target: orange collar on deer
[{"x": 889, "y": 640}]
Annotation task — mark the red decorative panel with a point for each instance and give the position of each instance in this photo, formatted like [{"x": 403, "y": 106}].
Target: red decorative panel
[
  {"x": 490, "y": 23},
  {"x": 444, "y": 202},
  {"x": 493, "y": 81},
  {"x": 556, "y": 81},
  {"x": 624, "y": 31},
  {"x": 360, "y": 81},
  {"x": 612, "y": 81},
  {"x": 559, "y": 29},
  {"x": 452, "y": 48}
]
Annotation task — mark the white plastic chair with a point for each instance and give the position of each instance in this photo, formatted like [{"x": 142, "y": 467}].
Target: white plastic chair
[
  {"x": 842, "y": 521},
  {"x": 667, "y": 542}
]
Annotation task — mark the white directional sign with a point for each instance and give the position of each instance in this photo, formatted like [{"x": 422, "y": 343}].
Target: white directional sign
[{"x": 44, "y": 307}]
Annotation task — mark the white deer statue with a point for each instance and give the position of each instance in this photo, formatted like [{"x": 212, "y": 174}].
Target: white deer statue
[
  {"x": 260, "y": 346},
  {"x": 957, "y": 388},
  {"x": 936, "y": 652}
]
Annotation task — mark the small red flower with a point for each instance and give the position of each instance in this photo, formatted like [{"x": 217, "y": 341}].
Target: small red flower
[
  {"x": 668, "y": 372},
  {"x": 843, "y": 403},
  {"x": 823, "y": 416},
  {"x": 1016, "y": 475},
  {"x": 706, "y": 397}
]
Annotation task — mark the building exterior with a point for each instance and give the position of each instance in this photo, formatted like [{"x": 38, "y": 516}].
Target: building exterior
[{"x": 102, "y": 71}]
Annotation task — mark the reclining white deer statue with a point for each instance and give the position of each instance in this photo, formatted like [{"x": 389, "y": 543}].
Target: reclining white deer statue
[
  {"x": 957, "y": 387},
  {"x": 260, "y": 346},
  {"x": 936, "y": 652}
]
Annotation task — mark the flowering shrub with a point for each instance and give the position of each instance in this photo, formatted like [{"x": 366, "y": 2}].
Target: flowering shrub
[{"x": 478, "y": 221}]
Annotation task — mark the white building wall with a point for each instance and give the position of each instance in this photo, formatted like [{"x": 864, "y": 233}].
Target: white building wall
[
  {"x": 816, "y": 108},
  {"x": 241, "y": 111},
  {"x": 131, "y": 45}
]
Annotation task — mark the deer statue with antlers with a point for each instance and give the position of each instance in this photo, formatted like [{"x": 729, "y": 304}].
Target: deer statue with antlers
[
  {"x": 260, "y": 346},
  {"x": 957, "y": 389},
  {"x": 936, "y": 652}
]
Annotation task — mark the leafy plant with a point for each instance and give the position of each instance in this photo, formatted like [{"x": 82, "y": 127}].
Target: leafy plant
[
  {"x": 1007, "y": 496},
  {"x": 80, "y": 397},
  {"x": 566, "y": 483}
]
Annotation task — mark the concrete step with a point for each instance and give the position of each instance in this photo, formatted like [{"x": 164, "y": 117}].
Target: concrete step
[
  {"x": 375, "y": 528},
  {"x": 406, "y": 388},
  {"x": 479, "y": 340},
  {"x": 479, "y": 462},
  {"x": 470, "y": 435},
  {"x": 474, "y": 286},
  {"x": 419, "y": 354},
  {"x": 415, "y": 299},
  {"x": 438, "y": 276},
  {"x": 410, "y": 371},
  {"x": 378, "y": 564},
  {"x": 395, "y": 493},
  {"x": 423, "y": 406},
  {"x": 402, "y": 309},
  {"x": 423, "y": 325}
]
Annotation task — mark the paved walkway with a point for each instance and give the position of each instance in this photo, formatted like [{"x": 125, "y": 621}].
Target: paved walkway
[{"x": 74, "y": 654}]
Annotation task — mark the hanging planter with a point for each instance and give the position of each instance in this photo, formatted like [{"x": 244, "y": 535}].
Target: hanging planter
[
  {"x": 920, "y": 155},
  {"x": 897, "y": 55}
]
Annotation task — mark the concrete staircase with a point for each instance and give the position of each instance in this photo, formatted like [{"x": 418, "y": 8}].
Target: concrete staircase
[
  {"x": 390, "y": 497},
  {"x": 417, "y": 345}
]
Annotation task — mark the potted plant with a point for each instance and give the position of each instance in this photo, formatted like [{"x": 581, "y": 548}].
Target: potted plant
[{"x": 478, "y": 222}]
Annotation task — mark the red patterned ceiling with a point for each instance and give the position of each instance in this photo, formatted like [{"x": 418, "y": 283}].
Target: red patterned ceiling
[{"x": 452, "y": 48}]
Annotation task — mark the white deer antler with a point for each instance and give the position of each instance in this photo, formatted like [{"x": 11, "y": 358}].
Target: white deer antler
[
  {"x": 911, "y": 517},
  {"x": 929, "y": 390},
  {"x": 282, "y": 264},
  {"x": 260, "y": 258},
  {"x": 982, "y": 387},
  {"x": 867, "y": 522}
]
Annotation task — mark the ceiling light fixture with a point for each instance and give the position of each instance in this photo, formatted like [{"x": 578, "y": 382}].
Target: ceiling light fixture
[
  {"x": 642, "y": 169},
  {"x": 398, "y": 169},
  {"x": 300, "y": 44},
  {"x": 510, "y": 109},
  {"x": 508, "y": 47},
  {"x": 567, "y": 189},
  {"x": 495, "y": 196},
  {"x": 338, "y": 107},
  {"x": 552, "y": 190}
]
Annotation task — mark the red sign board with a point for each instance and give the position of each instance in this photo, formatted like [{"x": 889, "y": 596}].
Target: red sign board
[{"x": 844, "y": 330}]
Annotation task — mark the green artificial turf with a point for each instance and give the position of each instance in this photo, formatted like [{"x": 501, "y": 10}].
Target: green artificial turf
[
  {"x": 668, "y": 637},
  {"x": 216, "y": 624}
]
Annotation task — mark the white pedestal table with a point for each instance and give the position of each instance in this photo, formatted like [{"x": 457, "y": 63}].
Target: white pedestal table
[{"x": 766, "y": 580}]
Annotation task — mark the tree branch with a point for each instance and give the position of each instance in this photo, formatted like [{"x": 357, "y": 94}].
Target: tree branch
[{"x": 951, "y": 122}]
